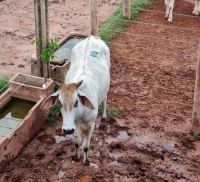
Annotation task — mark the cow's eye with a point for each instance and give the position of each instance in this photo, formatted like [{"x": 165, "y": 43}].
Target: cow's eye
[{"x": 76, "y": 104}]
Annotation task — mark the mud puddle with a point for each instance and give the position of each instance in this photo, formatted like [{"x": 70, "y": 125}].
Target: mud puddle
[
  {"x": 115, "y": 156},
  {"x": 55, "y": 137},
  {"x": 145, "y": 141},
  {"x": 60, "y": 174},
  {"x": 100, "y": 141}
]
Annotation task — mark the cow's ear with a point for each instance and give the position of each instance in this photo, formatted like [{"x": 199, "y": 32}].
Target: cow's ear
[
  {"x": 84, "y": 100},
  {"x": 50, "y": 101}
]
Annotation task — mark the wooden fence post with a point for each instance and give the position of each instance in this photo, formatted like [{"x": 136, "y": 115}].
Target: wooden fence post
[
  {"x": 127, "y": 9},
  {"x": 42, "y": 34},
  {"x": 36, "y": 64},
  {"x": 196, "y": 104},
  {"x": 93, "y": 17}
]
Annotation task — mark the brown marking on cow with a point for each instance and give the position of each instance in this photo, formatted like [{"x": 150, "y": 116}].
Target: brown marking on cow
[{"x": 67, "y": 91}]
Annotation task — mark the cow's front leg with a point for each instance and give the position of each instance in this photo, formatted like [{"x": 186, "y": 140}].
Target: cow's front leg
[
  {"x": 103, "y": 119},
  {"x": 77, "y": 141},
  {"x": 86, "y": 142}
]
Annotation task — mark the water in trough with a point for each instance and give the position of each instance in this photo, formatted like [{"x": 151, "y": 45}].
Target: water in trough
[
  {"x": 65, "y": 50},
  {"x": 12, "y": 114}
]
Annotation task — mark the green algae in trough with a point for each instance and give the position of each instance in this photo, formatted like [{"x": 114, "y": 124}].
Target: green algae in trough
[{"x": 12, "y": 114}]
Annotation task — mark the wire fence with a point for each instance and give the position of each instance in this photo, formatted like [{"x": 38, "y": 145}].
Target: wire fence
[{"x": 167, "y": 53}]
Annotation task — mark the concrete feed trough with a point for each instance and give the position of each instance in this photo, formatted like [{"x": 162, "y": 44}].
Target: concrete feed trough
[
  {"x": 60, "y": 64},
  {"x": 30, "y": 87},
  {"x": 20, "y": 113}
]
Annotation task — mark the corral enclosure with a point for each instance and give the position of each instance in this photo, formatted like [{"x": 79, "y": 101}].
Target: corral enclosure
[{"x": 153, "y": 68}]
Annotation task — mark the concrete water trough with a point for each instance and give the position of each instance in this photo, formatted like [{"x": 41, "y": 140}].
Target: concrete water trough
[
  {"x": 20, "y": 113},
  {"x": 60, "y": 64}
]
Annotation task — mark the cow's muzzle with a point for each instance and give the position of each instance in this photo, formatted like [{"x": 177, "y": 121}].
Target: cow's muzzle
[{"x": 68, "y": 131}]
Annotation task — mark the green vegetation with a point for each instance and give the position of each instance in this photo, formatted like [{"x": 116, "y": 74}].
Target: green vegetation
[
  {"x": 53, "y": 114},
  {"x": 110, "y": 111},
  {"x": 118, "y": 23},
  {"x": 3, "y": 83},
  {"x": 48, "y": 52}
]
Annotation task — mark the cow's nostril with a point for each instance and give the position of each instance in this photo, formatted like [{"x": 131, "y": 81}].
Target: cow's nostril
[
  {"x": 64, "y": 131},
  {"x": 68, "y": 131}
]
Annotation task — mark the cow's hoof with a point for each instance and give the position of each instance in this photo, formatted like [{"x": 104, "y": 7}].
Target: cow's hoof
[
  {"x": 103, "y": 127},
  {"x": 195, "y": 14},
  {"x": 75, "y": 158},
  {"x": 86, "y": 163}
]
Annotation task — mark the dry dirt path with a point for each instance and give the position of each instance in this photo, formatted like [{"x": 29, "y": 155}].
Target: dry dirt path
[{"x": 152, "y": 83}]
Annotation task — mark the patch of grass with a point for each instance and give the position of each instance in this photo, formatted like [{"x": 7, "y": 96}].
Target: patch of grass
[
  {"x": 54, "y": 111},
  {"x": 110, "y": 111},
  {"x": 53, "y": 114},
  {"x": 3, "y": 83},
  {"x": 118, "y": 23}
]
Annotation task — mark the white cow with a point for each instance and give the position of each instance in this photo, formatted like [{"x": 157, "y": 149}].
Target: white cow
[
  {"x": 170, "y": 6},
  {"x": 169, "y": 9},
  {"x": 86, "y": 86},
  {"x": 196, "y": 8}
]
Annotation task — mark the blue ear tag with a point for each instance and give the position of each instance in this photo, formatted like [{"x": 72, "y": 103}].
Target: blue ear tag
[{"x": 94, "y": 54}]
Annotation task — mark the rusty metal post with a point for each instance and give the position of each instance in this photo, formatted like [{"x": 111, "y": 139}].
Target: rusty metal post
[
  {"x": 127, "y": 9},
  {"x": 42, "y": 34},
  {"x": 196, "y": 104},
  {"x": 93, "y": 17}
]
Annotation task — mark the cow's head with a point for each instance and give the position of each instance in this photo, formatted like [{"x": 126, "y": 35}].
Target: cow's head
[{"x": 71, "y": 100}]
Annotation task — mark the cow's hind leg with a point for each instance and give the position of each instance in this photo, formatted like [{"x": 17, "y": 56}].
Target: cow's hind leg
[
  {"x": 103, "y": 119},
  {"x": 77, "y": 141},
  {"x": 196, "y": 8},
  {"x": 167, "y": 8},
  {"x": 86, "y": 143},
  {"x": 170, "y": 15}
]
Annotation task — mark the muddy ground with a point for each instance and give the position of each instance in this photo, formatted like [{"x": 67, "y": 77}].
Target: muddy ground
[{"x": 152, "y": 84}]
